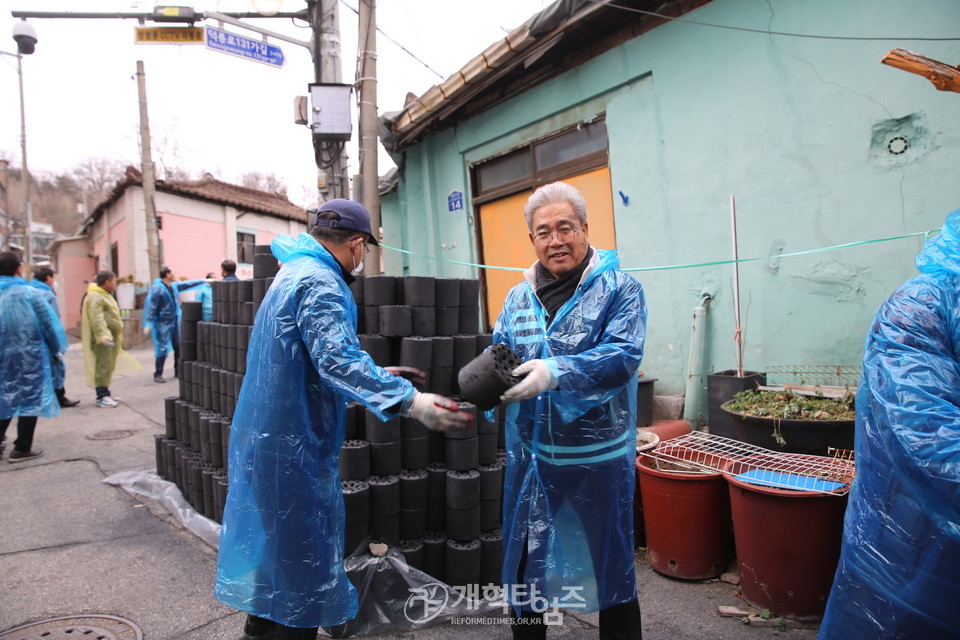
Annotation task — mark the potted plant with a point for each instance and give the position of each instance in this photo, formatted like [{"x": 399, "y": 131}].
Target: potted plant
[
  {"x": 789, "y": 421},
  {"x": 126, "y": 292}
]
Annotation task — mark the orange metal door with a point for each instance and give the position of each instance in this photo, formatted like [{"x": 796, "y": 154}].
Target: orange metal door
[{"x": 506, "y": 240}]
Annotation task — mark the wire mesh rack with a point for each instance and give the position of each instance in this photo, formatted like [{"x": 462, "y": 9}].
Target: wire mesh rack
[
  {"x": 704, "y": 453},
  {"x": 836, "y": 375}
]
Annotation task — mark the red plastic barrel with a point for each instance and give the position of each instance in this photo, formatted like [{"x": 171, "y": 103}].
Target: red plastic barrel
[{"x": 687, "y": 521}]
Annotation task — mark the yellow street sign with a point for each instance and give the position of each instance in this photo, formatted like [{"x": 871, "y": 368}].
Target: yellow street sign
[{"x": 169, "y": 35}]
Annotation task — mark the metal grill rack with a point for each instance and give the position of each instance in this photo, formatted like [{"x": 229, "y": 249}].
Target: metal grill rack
[
  {"x": 840, "y": 375},
  {"x": 699, "y": 452}
]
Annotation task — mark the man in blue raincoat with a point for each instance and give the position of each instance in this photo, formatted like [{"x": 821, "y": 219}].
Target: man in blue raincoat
[
  {"x": 281, "y": 546},
  {"x": 578, "y": 324},
  {"x": 161, "y": 317},
  {"x": 900, "y": 555},
  {"x": 31, "y": 338},
  {"x": 204, "y": 296},
  {"x": 43, "y": 279}
]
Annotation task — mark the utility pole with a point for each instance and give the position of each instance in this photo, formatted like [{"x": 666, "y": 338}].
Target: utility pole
[
  {"x": 324, "y": 17},
  {"x": 26, "y": 207},
  {"x": 369, "y": 170},
  {"x": 149, "y": 178}
]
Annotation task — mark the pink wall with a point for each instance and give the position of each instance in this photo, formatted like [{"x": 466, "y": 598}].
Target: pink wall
[
  {"x": 191, "y": 247},
  {"x": 101, "y": 250},
  {"x": 265, "y": 237}
]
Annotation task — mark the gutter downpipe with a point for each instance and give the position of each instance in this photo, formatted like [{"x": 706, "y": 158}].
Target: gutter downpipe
[{"x": 693, "y": 397}]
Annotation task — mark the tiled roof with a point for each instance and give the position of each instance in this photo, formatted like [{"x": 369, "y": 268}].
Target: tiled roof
[{"x": 211, "y": 190}]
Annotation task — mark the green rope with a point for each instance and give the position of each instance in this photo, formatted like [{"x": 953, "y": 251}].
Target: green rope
[{"x": 847, "y": 245}]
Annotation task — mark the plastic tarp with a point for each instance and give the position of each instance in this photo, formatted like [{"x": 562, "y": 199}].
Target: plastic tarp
[
  {"x": 571, "y": 452},
  {"x": 900, "y": 556},
  {"x": 151, "y": 488},
  {"x": 58, "y": 369},
  {"x": 283, "y": 533},
  {"x": 30, "y": 337},
  {"x": 100, "y": 324}
]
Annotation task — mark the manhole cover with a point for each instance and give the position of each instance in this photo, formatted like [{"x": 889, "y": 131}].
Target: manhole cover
[
  {"x": 97, "y": 627},
  {"x": 115, "y": 434}
]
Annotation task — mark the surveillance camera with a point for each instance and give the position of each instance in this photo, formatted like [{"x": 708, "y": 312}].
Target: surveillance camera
[{"x": 25, "y": 36}]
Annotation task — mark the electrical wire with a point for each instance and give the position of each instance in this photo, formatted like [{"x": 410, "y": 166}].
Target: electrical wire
[
  {"x": 403, "y": 48},
  {"x": 765, "y": 31}
]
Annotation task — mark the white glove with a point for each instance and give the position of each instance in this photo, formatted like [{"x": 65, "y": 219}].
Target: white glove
[
  {"x": 437, "y": 412},
  {"x": 538, "y": 379},
  {"x": 146, "y": 331},
  {"x": 109, "y": 343}
]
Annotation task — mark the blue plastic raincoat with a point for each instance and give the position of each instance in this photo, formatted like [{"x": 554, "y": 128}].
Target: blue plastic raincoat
[
  {"x": 58, "y": 368},
  {"x": 30, "y": 336},
  {"x": 571, "y": 452},
  {"x": 899, "y": 571},
  {"x": 204, "y": 296},
  {"x": 161, "y": 312},
  {"x": 281, "y": 546}
]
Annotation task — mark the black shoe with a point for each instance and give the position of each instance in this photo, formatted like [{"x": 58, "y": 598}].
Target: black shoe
[
  {"x": 20, "y": 456},
  {"x": 158, "y": 378},
  {"x": 256, "y": 628},
  {"x": 66, "y": 402}
]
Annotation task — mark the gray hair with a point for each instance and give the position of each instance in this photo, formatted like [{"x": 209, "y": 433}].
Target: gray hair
[
  {"x": 555, "y": 192},
  {"x": 103, "y": 276}
]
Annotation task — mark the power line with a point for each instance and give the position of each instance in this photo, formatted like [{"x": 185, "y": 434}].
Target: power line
[
  {"x": 405, "y": 50},
  {"x": 765, "y": 31}
]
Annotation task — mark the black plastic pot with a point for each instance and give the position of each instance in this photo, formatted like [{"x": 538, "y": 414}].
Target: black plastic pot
[
  {"x": 463, "y": 489},
  {"x": 354, "y": 460},
  {"x": 812, "y": 437},
  {"x": 484, "y": 379},
  {"x": 721, "y": 387}
]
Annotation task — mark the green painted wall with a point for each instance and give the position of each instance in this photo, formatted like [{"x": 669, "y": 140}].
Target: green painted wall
[{"x": 796, "y": 128}]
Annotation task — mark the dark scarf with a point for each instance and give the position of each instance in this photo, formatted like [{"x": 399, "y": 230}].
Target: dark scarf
[{"x": 553, "y": 292}]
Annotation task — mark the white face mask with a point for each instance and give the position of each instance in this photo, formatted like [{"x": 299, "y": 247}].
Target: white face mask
[{"x": 358, "y": 268}]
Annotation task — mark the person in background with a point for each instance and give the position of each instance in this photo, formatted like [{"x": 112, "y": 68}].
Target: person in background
[
  {"x": 900, "y": 553},
  {"x": 101, "y": 331},
  {"x": 228, "y": 269},
  {"x": 161, "y": 318},
  {"x": 205, "y": 296},
  {"x": 578, "y": 324},
  {"x": 43, "y": 280},
  {"x": 31, "y": 338},
  {"x": 281, "y": 546}
]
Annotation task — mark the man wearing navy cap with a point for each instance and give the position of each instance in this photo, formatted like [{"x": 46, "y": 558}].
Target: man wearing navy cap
[{"x": 281, "y": 546}]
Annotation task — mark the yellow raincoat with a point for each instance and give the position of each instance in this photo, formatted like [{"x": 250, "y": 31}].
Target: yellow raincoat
[{"x": 100, "y": 323}]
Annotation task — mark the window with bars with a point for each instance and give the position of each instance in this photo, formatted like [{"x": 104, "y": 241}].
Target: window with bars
[{"x": 245, "y": 243}]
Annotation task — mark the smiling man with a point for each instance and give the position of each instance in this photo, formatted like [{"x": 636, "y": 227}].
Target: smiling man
[{"x": 578, "y": 324}]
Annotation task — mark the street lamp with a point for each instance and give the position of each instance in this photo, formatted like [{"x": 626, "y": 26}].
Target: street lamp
[{"x": 26, "y": 38}]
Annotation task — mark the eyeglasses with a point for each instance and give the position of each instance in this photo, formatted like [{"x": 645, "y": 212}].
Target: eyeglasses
[
  {"x": 366, "y": 247},
  {"x": 564, "y": 234}
]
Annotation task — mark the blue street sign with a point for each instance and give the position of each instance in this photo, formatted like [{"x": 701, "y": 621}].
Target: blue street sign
[
  {"x": 231, "y": 43},
  {"x": 455, "y": 201}
]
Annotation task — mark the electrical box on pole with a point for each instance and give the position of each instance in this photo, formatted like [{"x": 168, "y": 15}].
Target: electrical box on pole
[{"x": 330, "y": 111}]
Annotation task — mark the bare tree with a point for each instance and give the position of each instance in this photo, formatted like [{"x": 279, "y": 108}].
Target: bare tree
[{"x": 268, "y": 182}]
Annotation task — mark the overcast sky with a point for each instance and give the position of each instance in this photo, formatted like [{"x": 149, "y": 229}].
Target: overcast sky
[{"x": 209, "y": 111}]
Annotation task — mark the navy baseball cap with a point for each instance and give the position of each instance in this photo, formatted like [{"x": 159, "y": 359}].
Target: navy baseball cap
[{"x": 353, "y": 216}]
